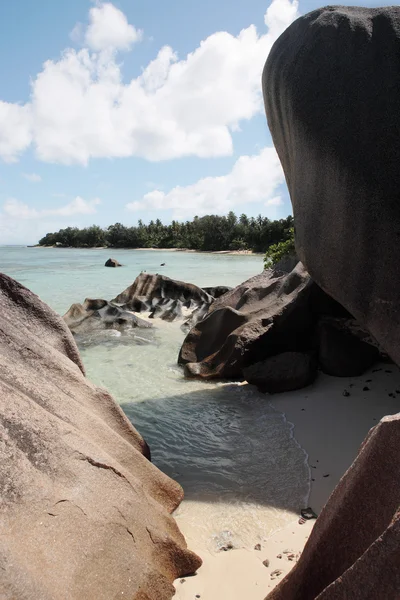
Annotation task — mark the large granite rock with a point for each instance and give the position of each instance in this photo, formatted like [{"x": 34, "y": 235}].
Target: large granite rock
[
  {"x": 353, "y": 550},
  {"x": 331, "y": 88},
  {"x": 165, "y": 298},
  {"x": 83, "y": 512},
  {"x": 98, "y": 314},
  {"x": 266, "y": 315}
]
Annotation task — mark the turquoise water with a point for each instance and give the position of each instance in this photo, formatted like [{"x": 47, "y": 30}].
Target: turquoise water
[
  {"x": 62, "y": 276},
  {"x": 243, "y": 474}
]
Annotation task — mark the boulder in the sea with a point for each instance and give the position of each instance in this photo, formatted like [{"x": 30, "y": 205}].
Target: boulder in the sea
[
  {"x": 83, "y": 512},
  {"x": 165, "y": 298},
  {"x": 283, "y": 372},
  {"x": 264, "y": 316},
  {"x": 154, "y": 287},
  {"x": 340, "y": 352},
  {"x": 95, "y": 315},
  {"x": 331, "y": 88},
  {"x": 353, "y": 549},
  {"x": 112, "y": 262}
]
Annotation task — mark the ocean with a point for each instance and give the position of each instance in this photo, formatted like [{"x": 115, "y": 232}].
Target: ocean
[{"x": 243, "y": 473}]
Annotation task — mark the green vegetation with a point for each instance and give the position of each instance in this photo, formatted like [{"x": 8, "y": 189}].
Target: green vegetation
[
  {"x": 276, "y": 252},
  {"x": 209, "y": 233}
]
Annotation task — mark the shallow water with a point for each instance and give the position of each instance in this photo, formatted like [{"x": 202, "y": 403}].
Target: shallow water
[{"x": 243, "y": 473}]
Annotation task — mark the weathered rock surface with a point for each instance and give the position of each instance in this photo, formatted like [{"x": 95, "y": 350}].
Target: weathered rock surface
[
  {"x": 332, "y": 88},
  {"x": 217, "y": 291},
  {"x": 340, "y": 352},
  {"x": 264, "y": 316},
  {"x": 97, "y": 314},
  {"x": 83, "y": 512},
  {"x": 112, "y": 262},
  {"x": 283, "y": 372},
  {"x": 353, "y": 550},
  {"x": 154, "y": 287},
  {"x": 165, "y": 298}
]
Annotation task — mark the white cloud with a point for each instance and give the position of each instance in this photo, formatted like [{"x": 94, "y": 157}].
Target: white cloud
[
  {"x": 32, "y": 177},
  {"x": 109, "y": 29},
  {"x": 17, "y": 209},
  {"x": 81, "y": 109},
  {"x": 252, "y": 179},
  {"x": 275, "y": 201},
  {"x": 15, "y": 130}
]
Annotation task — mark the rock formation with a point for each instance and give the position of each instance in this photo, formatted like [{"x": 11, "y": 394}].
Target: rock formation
[
  {"x": 271, "y": 329},
  {"x": 353, "y": 550},
  {"x": 332, "y": 88},
  {"x": 164, "y": 297},
  {"x": 112, "y": 262},
  {"x": 83, "y": 512},
  {"x": 94, "y": 315},
  {"x": 262, "y": 317}
]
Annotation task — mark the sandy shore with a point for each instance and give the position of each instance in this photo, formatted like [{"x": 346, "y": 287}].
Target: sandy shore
[
  {"x": 231, "y": 252},
  {"x": 330, "y": 426}
]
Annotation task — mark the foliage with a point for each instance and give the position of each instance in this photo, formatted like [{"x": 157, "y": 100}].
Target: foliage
[
  {"x": 208, "y": 233},
  {"x": 276, "y": 252}
]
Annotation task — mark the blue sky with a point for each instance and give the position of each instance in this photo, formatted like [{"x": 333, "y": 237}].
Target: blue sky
[{"x": 135, "y": 109}]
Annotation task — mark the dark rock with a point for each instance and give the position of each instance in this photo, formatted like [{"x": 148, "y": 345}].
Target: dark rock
[
  {"x": 257, "y": 547},
  {"x": 329, "y": 74},
  {"x": 266, "y": 562},
  {"x": 342, "y": 354},
  {"x": 165, "y": 298},
  {"x": 83, "y": 512},
  {"x": 86, "y": 317},
  {"x": 282, "y": 373},
  {"x": 153, "y": 287},
  {"x": 217, "y": 291},
  {"x": 112, "y": 262},
  {"x": 264, "y": 316}
]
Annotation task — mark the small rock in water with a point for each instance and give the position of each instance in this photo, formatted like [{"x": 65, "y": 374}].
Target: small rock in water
[
  {"x": 387, "y": 371},
  {"x": 183, "y": 580},
  {"x": 346, "y": 393},
  {"x": 257, "y": 547},
  {"x": 266, "y": 562},
  {"x": 366, "y": 388},
  {"x": 279, "y": 556},
  {"x": 197, "y": 595},
  {"x": 327, "y": 475}
]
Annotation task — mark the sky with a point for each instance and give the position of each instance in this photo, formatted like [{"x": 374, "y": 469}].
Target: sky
[{"x": 136, "y": 109}]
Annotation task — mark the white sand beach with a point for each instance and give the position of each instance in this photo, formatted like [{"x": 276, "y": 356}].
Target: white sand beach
[{"x": 330, "y": 426}]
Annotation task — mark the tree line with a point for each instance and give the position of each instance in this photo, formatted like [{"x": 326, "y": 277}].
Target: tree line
[{"x": 208, "y": 233}]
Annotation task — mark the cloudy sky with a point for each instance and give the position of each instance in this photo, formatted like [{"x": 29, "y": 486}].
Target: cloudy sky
[{"x": 136, "y": 109}]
